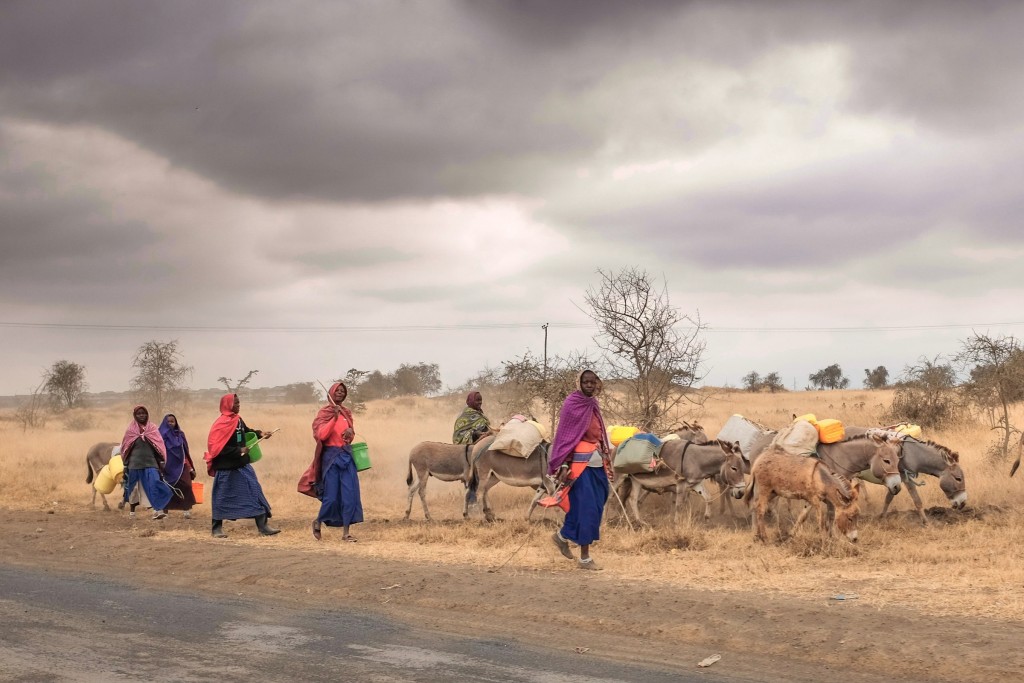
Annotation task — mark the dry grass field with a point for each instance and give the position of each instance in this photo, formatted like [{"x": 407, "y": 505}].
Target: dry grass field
[{"x": 963, "y": 564}]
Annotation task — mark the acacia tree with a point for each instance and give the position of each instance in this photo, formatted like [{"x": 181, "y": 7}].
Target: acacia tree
[
  {"x": 65, "y": 383},
  {"x": 160, "y": 374},
  {"x": 752, "y": 381},
  {"x": 927, "y": 394},
  {"x": 524, "y": 380},
  {"x": 652, "y": 349},
  {"x": 996, "y": 366},
  {"x": 234, "y": 387},
  {"x": 773, "y": 382},
  {"x": 877, "y": 378},
  {"x": 829, "y": 378}
]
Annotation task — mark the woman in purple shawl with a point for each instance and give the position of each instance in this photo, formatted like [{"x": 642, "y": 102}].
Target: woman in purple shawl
[
  {"x": 178, "y": 469},
  {"x": 579, "y": 456}
]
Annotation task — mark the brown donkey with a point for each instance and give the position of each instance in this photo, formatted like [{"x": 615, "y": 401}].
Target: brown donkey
[{"x": 780, "y": 474}]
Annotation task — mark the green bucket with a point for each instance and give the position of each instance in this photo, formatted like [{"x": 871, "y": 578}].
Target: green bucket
[
  {"x": 252, "y": 442},
  {"x": 360, "y": 456}
]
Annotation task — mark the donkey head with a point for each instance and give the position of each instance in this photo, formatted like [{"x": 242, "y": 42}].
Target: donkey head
[
  {"x": 732, "y": 469},
  {"x": 885, "y": 463},
  {"x": 951, "y": 481},
  {"x": 847, "y": 515}
]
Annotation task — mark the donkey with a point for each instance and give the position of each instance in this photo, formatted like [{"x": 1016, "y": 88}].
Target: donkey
[
  {"x": 491, "y": 467},
  {"x": 757, "y": 446},
  {"x": 924, "y": 457},
  {"x": 684, "y": 467},
  {"x": 782, "y": 474},
  {"x": 875, "y": 452},
  {"x": 95, "y": 459},
  {"x": 444, "y": 461}
]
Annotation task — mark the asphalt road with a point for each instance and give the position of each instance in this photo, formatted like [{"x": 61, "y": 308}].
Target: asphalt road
[{"x": 70, "y": 628}]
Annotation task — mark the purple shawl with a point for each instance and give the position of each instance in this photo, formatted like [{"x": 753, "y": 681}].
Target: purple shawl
[
  {"x": 177, "y": 450},
  {"x": 573, "y": 420}
]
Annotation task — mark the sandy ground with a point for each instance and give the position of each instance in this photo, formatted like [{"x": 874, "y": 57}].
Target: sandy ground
[{"x": 760, "y": 636}]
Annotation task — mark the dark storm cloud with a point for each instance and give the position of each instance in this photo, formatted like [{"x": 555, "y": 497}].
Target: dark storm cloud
[{"x": 379, "y": 101}]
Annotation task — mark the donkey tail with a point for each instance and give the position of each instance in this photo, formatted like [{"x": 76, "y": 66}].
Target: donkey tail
[
  {"x": 408, "y": 479},
  {"x": 88, "y": 474}
]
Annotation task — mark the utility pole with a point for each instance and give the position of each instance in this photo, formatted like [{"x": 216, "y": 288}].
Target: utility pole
[{"x": 545, "y": 327}]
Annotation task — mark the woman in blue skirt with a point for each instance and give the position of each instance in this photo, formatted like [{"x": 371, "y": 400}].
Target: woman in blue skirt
[{"x": 333, "y": 472}]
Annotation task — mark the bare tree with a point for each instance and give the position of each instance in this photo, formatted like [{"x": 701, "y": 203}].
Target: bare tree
[
  {"x": 31, "y": 413},
  {"x": 234, "y": 387},
  {"x": 160, "y": 375},
  {"x": 996, "y": 367},
  {"x": 65, "y": 382},
  {"x": 651, "y": 349}
]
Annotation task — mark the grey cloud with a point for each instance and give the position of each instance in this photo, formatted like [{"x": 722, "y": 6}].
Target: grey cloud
[
  {"x": 334, "y": 259},
  {"x": 384, "y": 101}
]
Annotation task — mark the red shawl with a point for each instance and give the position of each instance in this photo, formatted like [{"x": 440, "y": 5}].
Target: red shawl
[
  {"x": 327, "y": 414},
  {"x": 149, "y": 431},
  {"x": 222, "y": 430}
]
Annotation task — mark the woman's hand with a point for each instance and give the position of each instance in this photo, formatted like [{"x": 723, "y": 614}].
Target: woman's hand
[
  {"x": 347, "y": 436},
  {"x": 245, "y": 451}
]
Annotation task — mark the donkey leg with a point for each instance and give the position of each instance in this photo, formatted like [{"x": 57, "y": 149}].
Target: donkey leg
[
  {"x": 541, "y": 492},
  {"x": 912, "y": 490},
  {"x": 106, "y": 508},
  {"x": 760, "y": 512},
  {"x": 800, "y": 519},
  {"x": 703, "y": 491},
  {"x": 412, "y": 492},
  {"x": 631, "y": 498},
  {"x": 488, "y": 483}
]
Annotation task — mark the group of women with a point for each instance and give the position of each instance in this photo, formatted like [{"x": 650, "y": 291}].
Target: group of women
[
  {"x": 159, "y": 463},
  {"x": 160, "y": 467}
]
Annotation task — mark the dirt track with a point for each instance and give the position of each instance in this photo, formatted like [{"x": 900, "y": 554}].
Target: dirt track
[{"x": 759, "y": 637}]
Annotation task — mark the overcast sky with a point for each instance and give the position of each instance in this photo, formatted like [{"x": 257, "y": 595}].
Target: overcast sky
[{"x": 184, "y": 165}]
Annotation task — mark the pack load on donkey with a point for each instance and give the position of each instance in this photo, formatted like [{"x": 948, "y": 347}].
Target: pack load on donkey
[
  {"x": 637, "y": 454},
  {"x": 806, "y": 432},
  {"x": 519, "y": 437},
  {"x": 738, "y": 429}
]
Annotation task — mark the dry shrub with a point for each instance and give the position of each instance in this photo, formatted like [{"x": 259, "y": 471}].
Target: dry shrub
[
  {"x": 805, "y": 545},
  {"x": 79, "y": 422}
]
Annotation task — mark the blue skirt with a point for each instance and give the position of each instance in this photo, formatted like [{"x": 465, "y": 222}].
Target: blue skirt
[
  {"x": 341, "y": 503},
  {"x": 157, "y": 490},
  {"x": 587, "y": 497},
  {"x": 237, "y": 494}
]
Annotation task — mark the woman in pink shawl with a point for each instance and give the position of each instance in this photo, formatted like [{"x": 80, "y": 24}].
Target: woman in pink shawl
[
  {"x": 579, "y": 455},
  {"x": 332, "y": 477},
  {"x": 144, "y": 455}
]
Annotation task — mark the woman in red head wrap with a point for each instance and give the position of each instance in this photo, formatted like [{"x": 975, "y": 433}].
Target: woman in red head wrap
[
  {"x": 237, "y": 493},
  {"x": 332, "y": 477}
]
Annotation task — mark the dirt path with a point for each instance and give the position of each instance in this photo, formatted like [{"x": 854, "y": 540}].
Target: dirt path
[{"x": 759, "y": 637}]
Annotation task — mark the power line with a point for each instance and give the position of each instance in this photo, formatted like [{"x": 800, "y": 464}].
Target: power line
[{"x": 471, "y": 326}]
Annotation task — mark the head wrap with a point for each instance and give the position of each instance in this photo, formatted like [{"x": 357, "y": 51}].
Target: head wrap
[
  {"x": 474, "y": 399},
  {"x": 177, "y": 448},
  {"x": 221, "y": 430},
  {"x": 148, "y": 431}
]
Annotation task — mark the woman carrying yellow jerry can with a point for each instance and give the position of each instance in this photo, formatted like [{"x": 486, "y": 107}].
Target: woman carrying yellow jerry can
[{"x": 333, "y": 476}]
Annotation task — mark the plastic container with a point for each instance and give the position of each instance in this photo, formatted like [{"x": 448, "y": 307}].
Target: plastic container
[
  {"x": 830, "y": 431},
  {"x": 197, "y": 491},
  {"x": 361, "y": 456},
  {"x": 252, "y": 442},
  {"x": 913, "y": 431},
  {"x": 103, "y": 483},
  {"x": 809, "y": 417},
  {"x": 116, "y": 466},
  {"x": 619, "y": 433}
]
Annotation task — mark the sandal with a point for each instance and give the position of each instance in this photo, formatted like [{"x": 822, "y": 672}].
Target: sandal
[
  {"x": 316, "y": 530},
  {"x": 349, "y": 539}
]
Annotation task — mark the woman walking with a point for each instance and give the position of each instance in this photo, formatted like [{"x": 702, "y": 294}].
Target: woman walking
[
  {"x": 143, "y": 453},
  {"x": 237, "y": 493},
  {"x": 179, "y": 470},
  {"x": 332, "y": 477},
  {"x": 579, "y": 456}
]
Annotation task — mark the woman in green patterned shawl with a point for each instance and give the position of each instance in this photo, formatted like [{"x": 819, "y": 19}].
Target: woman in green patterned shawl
[{"x": 472, "y": 423}]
